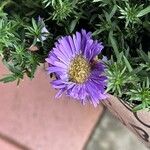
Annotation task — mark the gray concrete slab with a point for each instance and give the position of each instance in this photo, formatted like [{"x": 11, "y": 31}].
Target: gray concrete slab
[{"x": 110, "y": 134}]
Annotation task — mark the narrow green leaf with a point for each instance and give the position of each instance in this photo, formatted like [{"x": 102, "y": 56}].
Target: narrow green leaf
[
  {"x": 73, "y": 25},
  {"x": 127, "y": 64},
  {"x": 139, "y": 107},
  {"x": 60, "y": 2},
  {"x": 8, "y": 78},
  {"x": 114, "y": 44},
  {"x": 97, "y": 1},
  {"x": 147, "y": 83},
  {"x": 113, "y": 11},
  {"x": 144, "y": 56},
  {"x": 144, "y": 12},
  {"x": 34, "y": 24},
  {"x": 53, "y": 3}
]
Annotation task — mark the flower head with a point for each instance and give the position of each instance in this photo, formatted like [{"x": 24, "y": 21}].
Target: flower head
[
  {"x": 72, "y": 60},
  {"x": 44, "y": 31}
]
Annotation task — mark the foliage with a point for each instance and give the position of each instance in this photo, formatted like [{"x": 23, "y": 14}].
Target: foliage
[
  {"x": 29, "y": 28},
  {"x": 119, "y": 76},
  {"x": 141, "y": 93}
]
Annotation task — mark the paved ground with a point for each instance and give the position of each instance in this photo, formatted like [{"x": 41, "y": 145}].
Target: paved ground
[
  {"x": 110, "y": 134},
  {"x": 31, "y": 119}
]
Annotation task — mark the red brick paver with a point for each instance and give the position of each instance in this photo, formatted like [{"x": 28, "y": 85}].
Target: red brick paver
[
  {"x": 30, "y": 116},
  {"x": 4, "y": 145}
]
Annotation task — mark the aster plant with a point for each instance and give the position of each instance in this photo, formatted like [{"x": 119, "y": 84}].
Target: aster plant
[{"x": 114, "y": 57}]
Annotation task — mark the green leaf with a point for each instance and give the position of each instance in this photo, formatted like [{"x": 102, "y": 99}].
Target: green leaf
[
  {"x": 34, "y": 24},
  {"x": 136, "y": 70},
  {"x": 8, "y": 78},
  {"x": 73, "y": 25},
  {"x": 60, "y": 2},
  {"x": 97, "y": 1},
  {"x": 46, "y": 2},
  {"x": 144, "y": 56},
  {"x": 127, "y": 64},
  {"x": 144, "y": 12},
  {"x": 113, "y": 11},
  {"x": 114, "y": 44},
  {"x": 139, "y": 107},
  {"x": 12, "y": 68}
]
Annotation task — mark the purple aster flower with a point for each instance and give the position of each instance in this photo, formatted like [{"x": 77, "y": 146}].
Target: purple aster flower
[{"x": 78, "y": 74}]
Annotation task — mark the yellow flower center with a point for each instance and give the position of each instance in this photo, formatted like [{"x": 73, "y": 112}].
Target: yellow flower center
[{"x": 79, "y": 69}]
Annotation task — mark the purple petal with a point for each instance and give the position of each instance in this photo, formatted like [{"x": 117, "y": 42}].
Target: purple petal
[
  {"x": 60, "y": 64},
  {"x": 55, "y": 69},
  {"x": 65, "y": 45},
  {"x": 78, "y": 41},
  {"x": 72, "y": 46},
  {"x": 77, "y": 50},
  {"x": 59, "y": 94}
]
